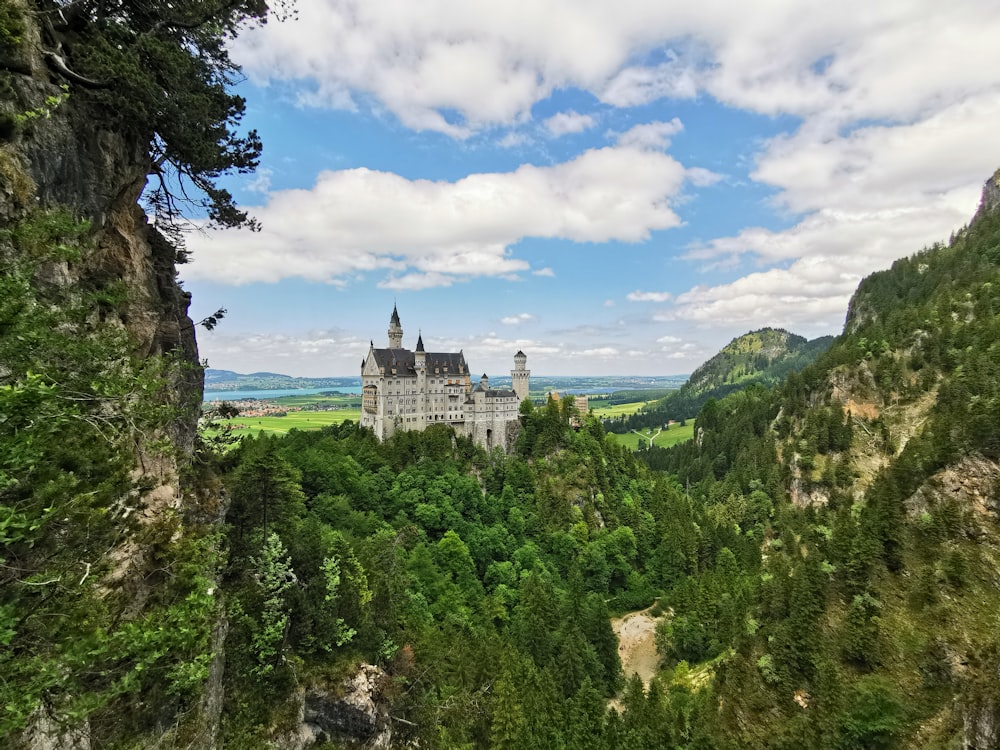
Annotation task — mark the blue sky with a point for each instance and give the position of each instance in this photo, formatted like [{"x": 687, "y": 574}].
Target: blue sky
[{"x": 615, "y": 188}]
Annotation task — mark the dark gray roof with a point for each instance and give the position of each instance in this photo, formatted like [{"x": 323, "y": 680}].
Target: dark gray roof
[
  {"x": 420, "y": 343},
  {"x": 394, "y": 320},
  {"x": 494, "y": 393},
  {"x": 403, "y": 361}
]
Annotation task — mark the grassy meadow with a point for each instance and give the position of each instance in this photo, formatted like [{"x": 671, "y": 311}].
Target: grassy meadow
[
  {"x": 604, "y": 411},
  {"x": 675, "y": 434},
  {"x": 297, "y": 420}
]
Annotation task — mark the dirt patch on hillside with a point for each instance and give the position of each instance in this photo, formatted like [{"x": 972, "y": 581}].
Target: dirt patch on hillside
[{"x": 636, "y": 633}]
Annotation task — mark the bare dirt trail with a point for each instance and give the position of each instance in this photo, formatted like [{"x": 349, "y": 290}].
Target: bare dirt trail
[{"x": 636, "y": 633}]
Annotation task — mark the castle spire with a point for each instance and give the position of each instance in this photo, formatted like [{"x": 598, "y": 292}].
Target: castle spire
[{"x": 395, "y": 330}]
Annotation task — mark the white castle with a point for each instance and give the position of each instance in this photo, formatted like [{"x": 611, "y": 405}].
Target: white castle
[{"x": 410, "y": 390}]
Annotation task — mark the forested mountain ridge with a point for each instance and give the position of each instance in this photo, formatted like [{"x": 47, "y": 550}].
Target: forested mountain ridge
[
  {"x": 763, "y": 356},
  {"x": 875, "y": 605}
]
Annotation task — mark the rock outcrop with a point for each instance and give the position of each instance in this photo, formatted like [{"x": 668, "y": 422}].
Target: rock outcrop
[
  {"x": 990, "y": 200},
  {"x": 352, "y": 712}
]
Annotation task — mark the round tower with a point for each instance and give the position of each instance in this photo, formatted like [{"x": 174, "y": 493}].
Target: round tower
[
  {"x": 519, "y": 376},
  {"x": 395, "y": 331}
]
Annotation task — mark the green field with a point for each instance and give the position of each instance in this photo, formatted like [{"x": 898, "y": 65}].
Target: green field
[
  {"x": 298, "y": 420},
  {"x": 676, "y": 434},
  {"x": 604, "y": 411},
  {"x": 347, "y": 400}
]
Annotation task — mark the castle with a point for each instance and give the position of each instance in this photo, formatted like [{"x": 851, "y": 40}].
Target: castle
[{"x": 410, "y": 390}]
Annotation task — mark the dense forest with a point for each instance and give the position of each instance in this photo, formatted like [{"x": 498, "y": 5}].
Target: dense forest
[
  {"x": 821, "y": 585},
  {"x": 765, "y": 356},
  {"x": 821, "y": 558},
  {"x": 822, "y": 555}
]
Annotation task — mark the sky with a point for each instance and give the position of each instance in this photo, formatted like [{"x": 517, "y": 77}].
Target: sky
[{"x": 615, "y": 188}]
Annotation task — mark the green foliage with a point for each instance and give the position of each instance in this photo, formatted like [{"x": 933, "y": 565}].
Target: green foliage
[
  {"x": 45, "y": 110},
  {"x": 160, "y": 73},
  {"x": 273, "y": 576},
  {"x": 784, "y": 625},
  {"x": 74, "y": 405}
]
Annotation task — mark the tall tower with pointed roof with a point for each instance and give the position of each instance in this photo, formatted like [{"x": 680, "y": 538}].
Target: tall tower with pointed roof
[
  {"x": 395, "y": 331},
  {"x": 519, "y": 376}
]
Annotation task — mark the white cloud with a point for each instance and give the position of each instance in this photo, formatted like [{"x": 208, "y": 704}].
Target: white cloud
[
  {"x": 652, "y": 135},
  {"x": 422, "y": 233},
  {"x": 640, "y": 296},
  {"x": 544, "y": 272},
  {"x": 456, "y": 67},
  {"x": 609, "y": 303},
  {"x": 513, "y": 320},
  {"x": 304, "y": 354},
  {"x": 564, "y": 123},
  {"x": 260, "y": 182},
  {"x": 513, "y": 139},
  {"x": 700, "y": 177},
  {"x": 636, "y": 85},
  {"x": 897, "y": 133},
  {"x": 867, "y": 198}
]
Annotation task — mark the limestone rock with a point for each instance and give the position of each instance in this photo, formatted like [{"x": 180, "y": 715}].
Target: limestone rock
[
  {"x": 971, "y": 483},
  {"x": 353, "y": 712},
  {"x": 990, "y": 201}
]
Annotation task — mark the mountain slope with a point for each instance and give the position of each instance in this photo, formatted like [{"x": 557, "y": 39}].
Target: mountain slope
[
  {"x": 874, "y": 597},
  {"x": 763, "y": 356}
]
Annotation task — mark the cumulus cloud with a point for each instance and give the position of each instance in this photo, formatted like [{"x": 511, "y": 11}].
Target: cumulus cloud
[
  {"x": 894, "y": 134},
  {"x": 651, "y": 135},
  {"x": 640, "y": 296},
  {"x": 455, "y": 67},
  {"x": 513, "y": 320},
  {"x": 544, "y": 272},
  {"x": 422, "y": 233},
  {"x": 867, "y": 198},
  {"x": 564, "y": 123}
]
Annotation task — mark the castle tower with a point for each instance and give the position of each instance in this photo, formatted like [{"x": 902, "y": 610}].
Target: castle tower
[
  {"x": 519, "y": 376},
  {"x": 395, "y": 331},
  {"x": 420, "y": 366}
]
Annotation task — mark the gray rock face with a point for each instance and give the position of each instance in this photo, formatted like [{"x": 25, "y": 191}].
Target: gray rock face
[
  {"x": 980, "y": 727},
  {"x": 990, "y": 201},
  {"x": 351, "y": 712}
]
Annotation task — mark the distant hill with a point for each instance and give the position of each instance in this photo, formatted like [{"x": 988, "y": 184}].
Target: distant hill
[
  {"x": 227, "y": 380},
  {"x": 764, "y": 356}
]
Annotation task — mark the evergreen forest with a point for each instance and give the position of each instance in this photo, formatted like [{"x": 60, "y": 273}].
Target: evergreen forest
[{"x": 822, "y": 559}]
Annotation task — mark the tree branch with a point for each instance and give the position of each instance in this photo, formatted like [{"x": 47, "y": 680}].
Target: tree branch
[{"x": 59, "y": 65}]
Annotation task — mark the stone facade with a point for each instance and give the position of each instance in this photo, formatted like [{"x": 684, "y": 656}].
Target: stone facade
[{"x": 410, "y": 390}]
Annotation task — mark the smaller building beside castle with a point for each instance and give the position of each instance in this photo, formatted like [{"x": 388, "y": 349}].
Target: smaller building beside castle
[{"x": 410, "y": 390}]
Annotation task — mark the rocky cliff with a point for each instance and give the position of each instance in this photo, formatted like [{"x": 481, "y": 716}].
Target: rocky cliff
[
  {"x": 114, "y": 276},
  {"x": 57, "y": 154}
]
